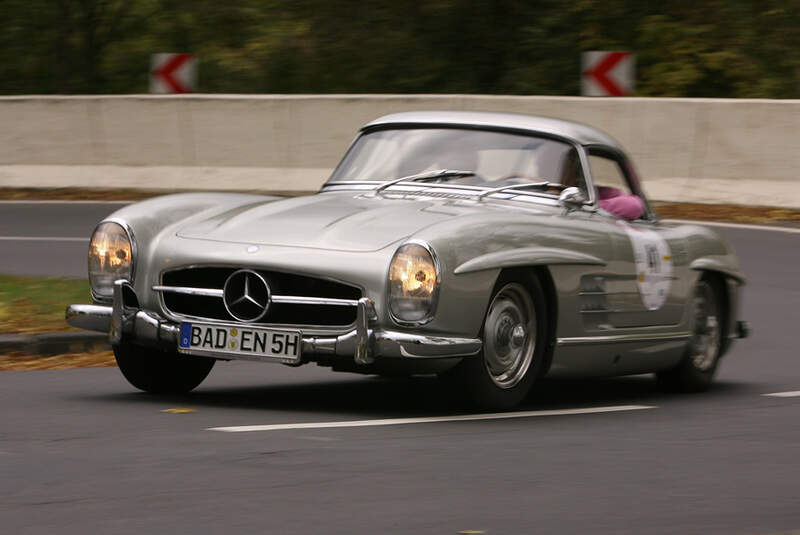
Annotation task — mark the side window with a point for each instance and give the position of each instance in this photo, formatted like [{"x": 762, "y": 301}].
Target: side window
[
  {"x": 607, "y": 173},
  {"x": 614, "y": 194}
]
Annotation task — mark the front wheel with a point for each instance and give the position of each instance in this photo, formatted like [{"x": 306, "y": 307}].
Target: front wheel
[
  {"x": 696, "y": 371},
  {"x": 514, "y": 343},
  {"x": 161, "y": 372}
]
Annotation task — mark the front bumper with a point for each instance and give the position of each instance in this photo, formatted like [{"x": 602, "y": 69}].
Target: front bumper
[{"x": 125, "y": 322}]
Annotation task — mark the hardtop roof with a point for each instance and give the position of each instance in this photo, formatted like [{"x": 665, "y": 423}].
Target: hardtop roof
[{"x": 569, "y": 130}]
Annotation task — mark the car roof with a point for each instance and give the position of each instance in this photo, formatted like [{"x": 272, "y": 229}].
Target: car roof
[{"x": 576, "y": 132}]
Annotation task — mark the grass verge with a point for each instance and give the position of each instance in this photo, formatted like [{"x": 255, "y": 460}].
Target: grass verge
[{"x": 37, "y": 304}]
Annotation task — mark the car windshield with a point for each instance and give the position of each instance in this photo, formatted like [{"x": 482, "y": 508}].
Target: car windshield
[{"x": 496, "y": 158}]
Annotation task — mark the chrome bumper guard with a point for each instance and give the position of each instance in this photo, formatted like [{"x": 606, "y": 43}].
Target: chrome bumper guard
[{"x": 124, "y": 321}]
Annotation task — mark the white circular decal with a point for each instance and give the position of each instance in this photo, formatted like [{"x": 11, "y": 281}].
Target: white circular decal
[{"x": 653, "y": 265}]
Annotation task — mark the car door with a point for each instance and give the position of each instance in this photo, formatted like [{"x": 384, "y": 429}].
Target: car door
[{"x": 646, "y": 278}]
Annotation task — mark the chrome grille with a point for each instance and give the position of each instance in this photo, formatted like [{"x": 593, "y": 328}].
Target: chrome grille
[{"x": 296, "y": 299}]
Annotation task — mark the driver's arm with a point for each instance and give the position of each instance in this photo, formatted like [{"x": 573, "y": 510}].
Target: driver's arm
[{"x": 622, "y": 205}]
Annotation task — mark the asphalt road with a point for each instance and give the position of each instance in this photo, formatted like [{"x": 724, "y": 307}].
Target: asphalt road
[
  {"x": 81, "y": 451},
  {"x": 48, "y": 238}
]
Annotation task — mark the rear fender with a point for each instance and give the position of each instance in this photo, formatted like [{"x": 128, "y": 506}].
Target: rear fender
[{"x": 722, "y": 265}]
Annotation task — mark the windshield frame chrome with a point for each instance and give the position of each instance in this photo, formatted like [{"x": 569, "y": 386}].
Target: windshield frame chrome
[{"x": 381, "y": 185}]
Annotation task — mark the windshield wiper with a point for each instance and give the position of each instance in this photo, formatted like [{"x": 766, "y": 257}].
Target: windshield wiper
[
  {"x": 531, "y": 185},
  {"x": 439, "y": 174}
]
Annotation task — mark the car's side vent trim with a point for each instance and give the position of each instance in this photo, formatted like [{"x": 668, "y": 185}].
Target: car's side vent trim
[{"x": 594, "y": 301}]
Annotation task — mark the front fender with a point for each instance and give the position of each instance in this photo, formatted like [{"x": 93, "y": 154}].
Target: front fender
[{"x": 149, "y": 221}]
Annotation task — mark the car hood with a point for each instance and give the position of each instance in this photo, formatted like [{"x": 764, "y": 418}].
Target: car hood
[{"x": 336, "y": 221}]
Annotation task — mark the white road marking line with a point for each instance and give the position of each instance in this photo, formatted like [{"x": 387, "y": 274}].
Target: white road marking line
[
  {"x": 41, "y": 238},
  {"x": 426, "y": 420},
  {"x": 789, "y": 230},
  {"x": 794, "y": 394}
]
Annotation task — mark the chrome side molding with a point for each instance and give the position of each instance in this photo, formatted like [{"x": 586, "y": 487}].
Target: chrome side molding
[{"x": 623, "y": 338}]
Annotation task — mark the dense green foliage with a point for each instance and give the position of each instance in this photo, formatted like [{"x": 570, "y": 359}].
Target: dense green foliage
[{"x": 710, "y": 48}]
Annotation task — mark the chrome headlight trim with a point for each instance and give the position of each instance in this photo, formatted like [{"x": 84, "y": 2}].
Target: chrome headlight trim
[
  {"x": 131, "y": 240},
  {"x": 434, "y": 294}
]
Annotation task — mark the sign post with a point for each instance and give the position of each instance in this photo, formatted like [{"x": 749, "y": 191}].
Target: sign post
[
  {"x": 173, "y": 73},
  {"x": 607, "y": 74}
]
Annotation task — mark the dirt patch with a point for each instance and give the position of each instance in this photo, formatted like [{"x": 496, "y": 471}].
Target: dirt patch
[
  {"x": 90, "y": 194},
  {"x": 76, "y": 194},
  {"x": 727, "y": 212},
  {"x": 667, "y": 210},
  {"x": 23, "y": 362}
]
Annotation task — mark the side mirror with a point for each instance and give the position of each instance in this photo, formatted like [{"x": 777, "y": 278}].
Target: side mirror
[{"x": 571, "y": 198}]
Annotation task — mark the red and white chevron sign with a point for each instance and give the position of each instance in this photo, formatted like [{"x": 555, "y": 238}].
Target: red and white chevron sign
[
  {"x": 173, "y": 73},
  {"x": 607, "y": 74}
]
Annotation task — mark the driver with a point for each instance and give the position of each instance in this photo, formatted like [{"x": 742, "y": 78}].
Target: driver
[
  {"x": 623, "y": 205},
  {"x": 614, "y": 201}
]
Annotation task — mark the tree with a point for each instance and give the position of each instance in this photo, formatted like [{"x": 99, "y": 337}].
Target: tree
[{"x": 717, "y": 48}]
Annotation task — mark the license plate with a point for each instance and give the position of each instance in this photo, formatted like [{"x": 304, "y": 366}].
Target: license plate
[{"x": 240, "y": 342}]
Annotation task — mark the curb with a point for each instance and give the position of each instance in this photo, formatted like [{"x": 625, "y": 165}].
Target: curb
[{"x": 53, "y": 343}]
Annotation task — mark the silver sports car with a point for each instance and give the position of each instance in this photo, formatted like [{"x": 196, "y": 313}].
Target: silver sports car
[{"x": 490, "y": 249}]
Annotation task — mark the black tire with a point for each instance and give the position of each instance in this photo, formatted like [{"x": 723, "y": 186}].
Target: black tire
[
  {"x": 161, "y": 372},
  {"x": 497, "y": 379},
  {"x": 695, "y": 372}
]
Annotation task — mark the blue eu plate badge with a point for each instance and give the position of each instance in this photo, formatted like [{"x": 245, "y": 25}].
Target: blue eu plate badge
[{"x": 186, "y": 334}]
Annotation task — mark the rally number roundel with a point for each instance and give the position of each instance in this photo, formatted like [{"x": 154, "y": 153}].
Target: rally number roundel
[{"x": 653, "y": 266}]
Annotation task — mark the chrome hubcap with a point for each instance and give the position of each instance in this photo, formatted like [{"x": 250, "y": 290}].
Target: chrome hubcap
[
  {"x": 706, "y": 336},
  {"x": 509, "y": 335}
]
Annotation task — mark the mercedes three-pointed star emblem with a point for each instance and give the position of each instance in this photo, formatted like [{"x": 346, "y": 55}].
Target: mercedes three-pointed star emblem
[{"x": 246, "y": 295}]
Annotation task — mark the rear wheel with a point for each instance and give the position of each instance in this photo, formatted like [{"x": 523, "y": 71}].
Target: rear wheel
[
  {"x": 161, "y": 372},
  {"x": 514, "y": 338},
  {"x": 695, "y": 372}
]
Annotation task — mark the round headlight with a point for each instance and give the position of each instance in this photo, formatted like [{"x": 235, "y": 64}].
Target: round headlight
[
  {"x": 413, "y": 284},
  {"x": 110, "y": 258}
]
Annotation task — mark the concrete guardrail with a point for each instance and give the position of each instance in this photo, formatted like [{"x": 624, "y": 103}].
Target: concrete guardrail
[{"x": 705, "y": 150}]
